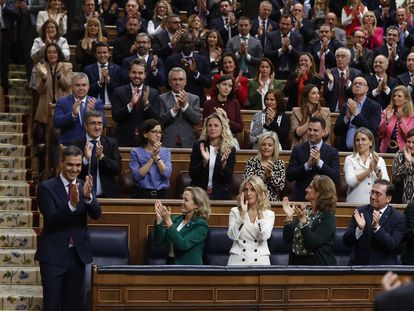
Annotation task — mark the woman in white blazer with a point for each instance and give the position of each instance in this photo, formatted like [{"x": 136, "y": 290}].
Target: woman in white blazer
[{"x": 251, "y": 224}]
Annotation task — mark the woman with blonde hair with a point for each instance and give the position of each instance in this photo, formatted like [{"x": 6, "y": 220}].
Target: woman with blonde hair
[
  {"x": 311, "y": 230},
  {"x": 85, "y": 47},
  {"x": 310, "y": 106},
  {"x": 374, "y": 36},
  {"x": 196, "y": 27},
  {"x": 396, "y": 120},
  {"x": 185, "y": 233},
  {"x": 267, "y": 165},
  {"x": 251, "y": 224},
  {"x": 363, "y": 167},
  {"x": 161, "y": 11},
  {"x": 213, "y": 158},
  {"x": 56, "y": 12}
]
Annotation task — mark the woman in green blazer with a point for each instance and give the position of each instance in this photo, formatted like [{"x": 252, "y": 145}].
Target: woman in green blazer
[
  {"x": 311, "y": 230},
  {"x": 185, "y": 233}
]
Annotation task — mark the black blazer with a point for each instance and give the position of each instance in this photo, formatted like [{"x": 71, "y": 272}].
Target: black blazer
[
  {"x": 369, "y": 117},
  {"x": 330, "y": 61},
  {"x": 400, "y": 65},
  {"x": 382, "y": 99},
  {"x": 255, "y": 28},
  {"x": 98, "y": 91},
  {"x": 60, "y": 223},
  {"x": 296, "y": 169},
  {"x": 122, "y": 47},
  {"x": 109, "y": 166},
  {"x": 380, "y": 248},
  {"x": 405, "y": 80},
  {"x": 401, "y": 299},
  {"x": 160, "y": 45},
  {"x": 127, "y": 121},
  {"x": 221, "y": 177},
  {"x": 365, "y": 61},
  {"x": 291, "y": 89}
]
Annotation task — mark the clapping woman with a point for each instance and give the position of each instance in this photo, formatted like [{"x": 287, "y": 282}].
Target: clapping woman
[
  {"x": 310, "y": 230},
  {"x": 363, "y": 167},
  {"x": 267, "y": 165},
  {"x": 185, "y": 233},
  {"x": 213, "y": 158},
  {"x": 251, "y": 224},
  {"x": 150, "y": 162},
  {"x": 373, "y": 34},
  {"x": 212, "y": 49}
]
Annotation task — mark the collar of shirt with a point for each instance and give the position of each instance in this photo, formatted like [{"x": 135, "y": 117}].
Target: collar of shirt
[
  {"x": 389, "y": 46},
  {"x": 282, "y": 35},
  {"x": 66, "y": 182},
  {"x": 382, "y": 210},
  {"x": 318, "y": 145},
  {"x": 100, "y": 65},
  {"x": 357, "y": 157},
  {"x": 143, "y": 57},
  {"x": 133, "y": 87},
  {"x": 170, "y": 35},
  {"x": 187, "y": 56},
  {"x": 88, "y": 138},
  {"x": 246, "y": 36},
  {"x": 378, "y": 77},
  {"x": 261, "y": 21},
  {"x": 361, "y": 103}
]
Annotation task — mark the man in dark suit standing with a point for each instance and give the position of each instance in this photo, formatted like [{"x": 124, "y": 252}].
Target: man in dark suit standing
[
  {"x": 398, "y": 294},
  {"x": 101, "y": 158},
  {"x": 314, "y": 157},
  {"x": 263, "y": 25},
  {"x": 407, "y": 78},
  {"x": 376, "y": 230},
  {"x": 125, "y": 46},
  {"x": 338, "y": 81},
  {"x": 302, "y": 25},
  {"x": 179, "y": 112},
  {"x": 196, "y": 66},
  {"x": 155, "y": 66},
  {"x": 361, "y": 58},
  {"x": 103, "y": 75},
  {"x": 164, "y": 43},
  {"x": 360, "y": 111},
  {"x": 380, "y": 84},
  {"x": 248, "y": 49},
  {"x": 283, "y": 47},
  {"x": 226, "y": 23},
  {"x": 395, "y": 53},
  {"x": 69, "y": 115},
  {"x": 132, "y": 104},
  {"x": 64, "y": 248}
]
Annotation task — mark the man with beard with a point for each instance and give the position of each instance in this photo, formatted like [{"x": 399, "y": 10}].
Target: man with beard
[{"x": 124, "y": 46}]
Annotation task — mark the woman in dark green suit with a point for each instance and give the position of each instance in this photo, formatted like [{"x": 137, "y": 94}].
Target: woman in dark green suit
[
  {"x": 185, "y": 233},
  {"x": 311, "y": 230}
]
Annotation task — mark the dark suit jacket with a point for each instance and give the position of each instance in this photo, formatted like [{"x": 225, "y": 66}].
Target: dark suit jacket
[
  {"x": 401, "y": 299},
  {"x": 194, "y": 86},
  {"x": 405, "y": 80},
  {"x": 369, "y": 117},
  {"x": 255, "y": 28},
  {"x": 218, "y": 24},
  {"x": 159, "y": 80},
  {"x": 60, "y": 223},
  {"x": 400, "y": 65},
  {"x": 182, "y": 124},
  {"x": 331, "y": 97},
  {"x": 122, "y": 46},
  {"x": 296, "y": 169},
  {"x": 70, "y": 127},
  {"x": 307, "y": 31},
  {"x": 274, "y": 43},
  {"x": 291, "y": 89},
  {"x": 188, "y": 243},
  {"x": 221, "y": 177},
  {"x": 121, "y": 25},
  {"x": 160, "y": 45},
  {"x": 109, "y": 166},
  {"x": 330, "y": 61},
  {"x": 381, "y": 247},
  {"x": 365, "y": 61},
  {"x": 127, "y": 121},
  {"x": 96, "y": 90},
  {"x": 382, "y": 99}
]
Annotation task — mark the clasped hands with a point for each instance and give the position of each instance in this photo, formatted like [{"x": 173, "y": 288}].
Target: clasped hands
[
  {"x": 361, "y": 222},
  {"x": 163, "y": 213},
  {"x": 294, "y": 210},
  {"x": 74, "y": 191}
]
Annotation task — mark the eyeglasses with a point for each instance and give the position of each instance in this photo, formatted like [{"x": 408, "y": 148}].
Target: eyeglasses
[
  {"x": 376, "y": 193},
  {"x": 155, "y": 132}
]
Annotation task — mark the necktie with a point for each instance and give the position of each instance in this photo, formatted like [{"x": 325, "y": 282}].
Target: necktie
[
  {"x": 83, "y": 110},
  {"x": 341, "y": 97},
  {"x": 137, "y": 91},
  {"x": 229, "y": 30},
  {"x": 402, "y": 38},
  {"x": 263, "y": 39},
  {"x": 93, "y": 165},
  {"x": 243, "y": 64},
  {"x": 322, "y": 65}
]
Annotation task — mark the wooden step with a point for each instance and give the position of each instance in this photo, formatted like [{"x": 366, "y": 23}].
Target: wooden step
[
  {"x": 18, "y": 238},
  {"x": 12, "y": 127},
  {"x": 16, "y": 219},
  {"x": 13, "y": 138},
  {"x": 14, "y": 162},
  {"x": 21, "y": 297},
  {"x": 12, "y": 257},
  {"x": 14, "y": 188},
  {"x": 15, "y": 203},
  {"x": 20, "y": 275}
]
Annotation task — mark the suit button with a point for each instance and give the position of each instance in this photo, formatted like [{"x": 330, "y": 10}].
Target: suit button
[
  {"x": 255, "y": 241},
  {"x": 255, "y": 259},
  {"x": 244, "y": 249},
  {"x": 244, "y": 241},
  {"x": 243, "y": 259},
  {"x": 255, "y": 250}
]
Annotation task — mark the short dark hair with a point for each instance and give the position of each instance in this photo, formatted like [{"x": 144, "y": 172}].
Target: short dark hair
[
  {"x": 280, "y": 100},
  {"x": 390, "y": 187},
  {"x": 316, "y": 119},
  {"x": 61, "y": 58},
  {"x": 286, "y": 15},
  {"x": 146, "y": 126},
  {"x": 71, "y": 151},
  {"x": 139, "y": 62},
  {"x": 100, "y": 44},
  {"x": 221, "y": 79},
  {"x": 93, "y": 113}
]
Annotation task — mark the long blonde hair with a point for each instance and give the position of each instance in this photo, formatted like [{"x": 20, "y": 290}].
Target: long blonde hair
[
  {"x": 100, "y": 38},
  {"x": 259, "y": 187},
  {"x": 374, "y": 26},
  {"x": 200, "y": 199},
  {"x": 226, "y": 142},
  {"x": 408, "y": 106}
]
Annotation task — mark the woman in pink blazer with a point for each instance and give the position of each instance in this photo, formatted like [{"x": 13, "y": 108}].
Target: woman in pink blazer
[
  {"x": 373, "y": 34},
  {"x": 396, "y": 120}
]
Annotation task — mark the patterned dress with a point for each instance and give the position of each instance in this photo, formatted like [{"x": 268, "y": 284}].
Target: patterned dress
[
  {"x": 404, "y": 174},
  {"x": 275, "y": 183}
]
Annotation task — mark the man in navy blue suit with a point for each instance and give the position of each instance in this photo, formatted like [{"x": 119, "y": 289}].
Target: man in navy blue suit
[
  {"x": 407, "y": 78},
  {"x": 359, "y": 111},
  {"x": 64, "y": 247},
  {"x": 156, "y": 76},
  {"x": 70, "y": 110},
  {"x": 376, "y": 230},
  {"x": 262, "y": 25},
  {"x": 103, "y": 76},
  {"x": 196, "y": 66},
  {"x": 311, "y": 158},
  {"x": 226, "y": 23}
]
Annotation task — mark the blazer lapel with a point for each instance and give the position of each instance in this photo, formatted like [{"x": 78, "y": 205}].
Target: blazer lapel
[
  {"x": 385, "y": 216},
  {"x": 61, "y": 191}
]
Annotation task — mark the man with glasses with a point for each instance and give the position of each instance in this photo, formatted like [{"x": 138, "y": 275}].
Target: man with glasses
[
  {"x": 359, "y": 111},
  {"x": 179, "y": 112},
  {"x": 361, "y": 57},
  {"x": 155, "y": 66},
  {"x": 164, "y": 43},
  {"x": 376, "y": 230},
  {"x": 101, "y": 157}
]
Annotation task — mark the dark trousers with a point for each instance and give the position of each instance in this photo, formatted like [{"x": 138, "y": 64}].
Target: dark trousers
[
  {"x": 62, "y": 283},
  {"x": 6, "y": 43}
]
